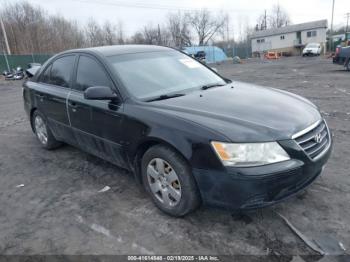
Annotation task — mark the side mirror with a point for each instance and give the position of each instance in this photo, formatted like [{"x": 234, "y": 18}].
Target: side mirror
[{"x": 99, "y": 93}]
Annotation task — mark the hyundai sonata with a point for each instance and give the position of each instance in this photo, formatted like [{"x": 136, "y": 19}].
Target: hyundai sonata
[{"x": 189, "y": 135}]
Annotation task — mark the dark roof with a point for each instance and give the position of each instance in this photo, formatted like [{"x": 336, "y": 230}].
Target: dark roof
[
  {"x": 290, "y": 29},
  {"x": 124, "y": 49}
]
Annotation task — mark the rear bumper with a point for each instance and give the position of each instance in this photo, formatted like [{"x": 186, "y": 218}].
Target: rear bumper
[{"x": 256, "y": 187}]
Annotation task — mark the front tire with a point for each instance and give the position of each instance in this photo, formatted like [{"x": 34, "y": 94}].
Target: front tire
[
  {"x": 43, "y": 132},
  {"x": 168, "y": 179}
]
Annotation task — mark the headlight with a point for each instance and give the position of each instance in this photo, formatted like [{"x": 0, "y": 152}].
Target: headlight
[{"x": 249, "y": 154}]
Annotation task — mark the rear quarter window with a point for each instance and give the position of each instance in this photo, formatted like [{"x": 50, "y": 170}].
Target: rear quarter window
[{"x": 45, "y": 76}]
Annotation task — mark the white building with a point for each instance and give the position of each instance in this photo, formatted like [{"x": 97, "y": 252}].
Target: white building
[{"x": 289, "y": 39}]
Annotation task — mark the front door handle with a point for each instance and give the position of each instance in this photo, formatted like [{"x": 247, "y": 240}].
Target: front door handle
[
  {"x": 74, "y": 106},
  {"x": 40, "y": 96}
]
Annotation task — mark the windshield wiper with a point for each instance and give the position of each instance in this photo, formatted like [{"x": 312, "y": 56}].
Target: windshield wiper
[
  {"x": 205, "y": 87},
  {"x": 163, "y": 97}
]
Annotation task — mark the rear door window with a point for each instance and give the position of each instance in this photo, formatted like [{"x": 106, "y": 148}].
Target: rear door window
[{"x": 61, "y": 71}]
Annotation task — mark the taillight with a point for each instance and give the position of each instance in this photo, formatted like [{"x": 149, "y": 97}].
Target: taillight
[{"x": 337, "y": 50}]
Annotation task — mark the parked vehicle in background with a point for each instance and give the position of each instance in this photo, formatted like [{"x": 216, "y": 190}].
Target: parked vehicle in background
[
  {"x": 32, "y": 69},
  {"x": 200, "y": 56},
  {"x": 15, "y": 74},
  {"x": 312, "y": 49},
  {"x": 31, "y": 65},
  {"x": 342, "y": 57},
  {"x": 189, "y": 135}
]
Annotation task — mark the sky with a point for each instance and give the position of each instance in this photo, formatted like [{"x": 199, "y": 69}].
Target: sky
[{"x": 134, "y": 14}]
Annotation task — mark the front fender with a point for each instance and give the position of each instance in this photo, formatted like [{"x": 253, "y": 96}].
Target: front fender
[{"x": 145, "y": 128}]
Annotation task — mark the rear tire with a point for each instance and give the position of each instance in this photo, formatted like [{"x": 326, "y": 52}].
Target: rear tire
[
  {"x": 43, "y": 132},
  {"x": 168, "y": 179}
]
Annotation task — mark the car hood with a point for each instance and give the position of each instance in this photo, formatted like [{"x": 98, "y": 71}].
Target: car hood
[
  {"x": 310, "y": 49},
  {"x": 244, "y": 112}
]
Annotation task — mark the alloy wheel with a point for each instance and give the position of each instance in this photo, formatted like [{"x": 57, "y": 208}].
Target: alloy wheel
[
  {"x": 40, "y": 129},
  {"x": 164, "y": 182}
]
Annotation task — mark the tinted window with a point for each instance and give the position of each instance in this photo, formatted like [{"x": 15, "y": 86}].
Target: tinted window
[
  {"x": 45, "y": 77},
  {"x": 61, "y": 71},
  {"x": 90, "y": 73}
]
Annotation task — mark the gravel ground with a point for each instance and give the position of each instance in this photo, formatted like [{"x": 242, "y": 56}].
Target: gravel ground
[{"x": 50, "y": 201}]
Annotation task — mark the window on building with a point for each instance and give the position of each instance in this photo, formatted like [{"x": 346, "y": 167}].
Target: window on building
[
  {"x": 311, "y": 33},
  {"x": 260, "y": 41},
  {"x": 282, "y": 37}
]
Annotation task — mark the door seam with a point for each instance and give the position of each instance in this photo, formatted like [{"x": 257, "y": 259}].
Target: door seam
[{"x": 67, "y": 108}]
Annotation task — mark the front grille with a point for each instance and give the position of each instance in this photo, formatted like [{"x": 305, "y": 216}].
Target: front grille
[{"x": 308, "y": 141}]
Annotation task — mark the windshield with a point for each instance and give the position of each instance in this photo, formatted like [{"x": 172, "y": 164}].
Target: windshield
[{"x": 152, "y": 74}]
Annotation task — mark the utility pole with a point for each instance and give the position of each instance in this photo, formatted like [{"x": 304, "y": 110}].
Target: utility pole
[
  {"x": 5, "y": 56},
  {"x": 331, "y": 33},
  {"x": 5, "y": 36},
  {"x": 265, "y": 21}
]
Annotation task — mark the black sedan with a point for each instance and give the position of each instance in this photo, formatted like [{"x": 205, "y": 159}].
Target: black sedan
[{"x": 189, "y": 135}]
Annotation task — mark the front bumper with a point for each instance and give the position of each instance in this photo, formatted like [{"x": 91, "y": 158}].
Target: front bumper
[
  {"x": 255, "y": 187},
  {"x": 310, "y": 52}
]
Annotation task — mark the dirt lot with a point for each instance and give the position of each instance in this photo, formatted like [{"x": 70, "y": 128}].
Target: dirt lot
[{"x": 59, "y": 209}]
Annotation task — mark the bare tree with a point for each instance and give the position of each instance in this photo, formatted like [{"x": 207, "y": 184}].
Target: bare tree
[
  {"x": 108, "y": 33},
  {"x": 137, "y": 38},
  {"x": 32, "y": 30},
  {"x": 206, "y": 25},
  {"x": 93, "y": 33},
  {"x": 278, "y": 17},
  {"x": 120, "y": 33},
  {"x": 178, "y": 29},
  {"x": 22, "y": 21},
  {"x": 63, "y": 35},
  {"x": 152, "y": 35},
  {"x": 261, "y": 22}
]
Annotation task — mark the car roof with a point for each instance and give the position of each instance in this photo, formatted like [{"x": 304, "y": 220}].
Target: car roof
[{"x": 122, "y": 49}]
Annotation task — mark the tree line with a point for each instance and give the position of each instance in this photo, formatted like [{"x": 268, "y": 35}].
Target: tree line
[{"x": 30, "y": 29}]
